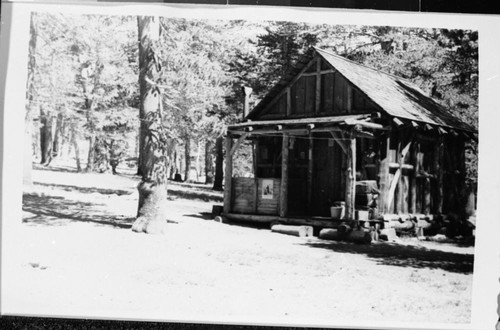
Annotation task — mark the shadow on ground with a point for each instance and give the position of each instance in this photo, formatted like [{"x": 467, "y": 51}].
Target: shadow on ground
[
  {"x": 85, "y": 190},
  {"x": 59, "y": 211},
  {"x": 404, "y": 255},
  {"x": 193, "y": 195}
]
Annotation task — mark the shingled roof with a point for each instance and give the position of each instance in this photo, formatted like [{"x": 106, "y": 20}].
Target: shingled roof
[{"x": 395, "y": 96}]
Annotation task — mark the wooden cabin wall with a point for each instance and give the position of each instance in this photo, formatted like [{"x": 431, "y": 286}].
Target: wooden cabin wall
[
  {"x": 429, "y": 178},
  {"x": 246, "y": 199},
  {"x": 454, "y": 175},
  {"x": 318, "y": 92}
]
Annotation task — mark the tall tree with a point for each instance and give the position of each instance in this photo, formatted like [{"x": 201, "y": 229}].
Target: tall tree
[
  {"x": 151, "y": 214},
  {"x": 30, "y": 91}
]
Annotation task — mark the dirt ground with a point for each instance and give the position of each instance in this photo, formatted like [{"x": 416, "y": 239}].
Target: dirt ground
[{"x": 76, "y": 256}]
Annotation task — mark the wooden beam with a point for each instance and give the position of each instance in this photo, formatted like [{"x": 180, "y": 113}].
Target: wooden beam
[
  {"x": 256, "y": 178},
  {"x": 398, "y": 121},
  {"x": 413, "y": 180},
  {"x": 350, "y": 187},
  {"x": 385, "y": 176},
  {"x": 366, "y": 124},
  {"x": 228, "y": 175},
  {"x": 284, "y": 177},
  {"x": 309, "y": 74}
]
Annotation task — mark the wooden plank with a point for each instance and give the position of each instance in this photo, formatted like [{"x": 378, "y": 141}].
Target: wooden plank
[
  {"x": 338, "y": 105},
  {"x": 348, "y": 98},
  {"x": 283, "y": 202},
  {"x": 288, "y": 101},
  {"x": 310, "y": 95},
  {"x": 318, "y": 87},
  {"x": 228, "y": 175}
]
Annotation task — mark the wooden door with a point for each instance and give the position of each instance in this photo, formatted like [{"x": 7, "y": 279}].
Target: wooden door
[
  {"x": 326, "y": 183},
  {"x": 298, "y": 160}
]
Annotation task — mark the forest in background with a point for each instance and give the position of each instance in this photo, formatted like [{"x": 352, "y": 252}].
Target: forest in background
[{"x": 83, "y": 94}]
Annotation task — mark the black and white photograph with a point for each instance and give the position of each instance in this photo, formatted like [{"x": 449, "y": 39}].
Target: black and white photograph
[{"x": 245, "y": 170}]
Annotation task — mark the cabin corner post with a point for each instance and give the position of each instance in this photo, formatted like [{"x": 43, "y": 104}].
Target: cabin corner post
[
  {"x": 350, "y": 177},
  {"x": 284, "y": 177},
  {"x": 439, "y": 167},
  {"x": 228, "y": 174}
]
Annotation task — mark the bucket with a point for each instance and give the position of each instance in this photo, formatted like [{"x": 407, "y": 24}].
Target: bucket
[{"x": 336, "y": 211}]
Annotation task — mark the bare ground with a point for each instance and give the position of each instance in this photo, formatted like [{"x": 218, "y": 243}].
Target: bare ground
[{"x": 76, "y": 255}]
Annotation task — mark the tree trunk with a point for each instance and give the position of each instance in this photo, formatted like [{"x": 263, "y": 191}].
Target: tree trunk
[
  {"x": 28, "y": 151},
  {"x": 45, "y": 137},
  {"x": 57, "y": 136},
  {"x": 209, "y": 163},
  {"x": 151, "y": 213},
  {"x": 30, "y": 94},
  {"x": 138, "y": 152},
  {"x": 74, "y": 143},
  {"x": 91, "y": 154},
  {"x": 187, "y": 159},
  {"x": 219, "y": 162},
  {"x": 198, "y": 160}
]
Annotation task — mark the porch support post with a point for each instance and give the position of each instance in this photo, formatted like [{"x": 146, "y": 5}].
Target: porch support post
[
  {"x": 228, "y": 175},
  {"x": 310, "y": 166},
  {"x": 438, "y": 167},
  {"x": 284, "y": 177},
  {"x": 413, "y": 184},
  {"x": 255, "y": 153},
  {"x": 350, "y": 191}
]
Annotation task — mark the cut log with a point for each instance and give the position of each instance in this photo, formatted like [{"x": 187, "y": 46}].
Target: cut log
[
  {"x": 405, "y": 225},
  {"x": 344, "y": 228},
  {"x": 358, "y": 236},
  {"x": 300, "y": 231},
  {"x": 330, "y": 234}
]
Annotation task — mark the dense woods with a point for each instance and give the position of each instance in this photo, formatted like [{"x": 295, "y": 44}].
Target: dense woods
[{"x": 89, "y": 76}]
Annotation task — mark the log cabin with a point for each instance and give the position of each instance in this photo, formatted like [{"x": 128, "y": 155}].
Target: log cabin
[{"x": 334, "y": 133}]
